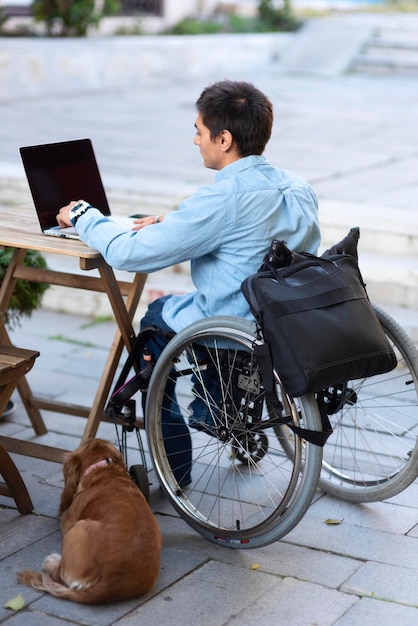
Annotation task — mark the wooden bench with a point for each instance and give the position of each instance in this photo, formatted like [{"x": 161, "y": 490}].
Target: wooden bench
[{"x": 14, "y": 364}]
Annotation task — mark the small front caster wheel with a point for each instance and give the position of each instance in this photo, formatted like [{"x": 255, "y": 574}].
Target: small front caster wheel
[{"x": 139, "y": 475}]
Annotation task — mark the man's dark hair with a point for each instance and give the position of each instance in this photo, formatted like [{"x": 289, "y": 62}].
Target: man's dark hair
[{"x": 240, "y": 108}]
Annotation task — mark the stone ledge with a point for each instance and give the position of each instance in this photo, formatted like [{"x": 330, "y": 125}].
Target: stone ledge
[{"x": 34, "y": 67}]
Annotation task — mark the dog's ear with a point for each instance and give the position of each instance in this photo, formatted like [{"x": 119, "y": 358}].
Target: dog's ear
[{"x": 71, "y": 470}]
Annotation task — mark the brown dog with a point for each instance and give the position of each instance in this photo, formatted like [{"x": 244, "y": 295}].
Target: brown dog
[{"x": 111, "y": 541}]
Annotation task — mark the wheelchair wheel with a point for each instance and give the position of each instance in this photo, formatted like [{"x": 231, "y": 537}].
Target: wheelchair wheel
[
  {"x": 244, "y": 491},
  {"x": 373, "y": 452},
  {"x": 139, "y": 475}
]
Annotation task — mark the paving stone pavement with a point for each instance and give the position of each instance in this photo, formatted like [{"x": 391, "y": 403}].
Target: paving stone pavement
[
  {"x": 354, "y": 138},
  {"x": 362, "y": 570}
]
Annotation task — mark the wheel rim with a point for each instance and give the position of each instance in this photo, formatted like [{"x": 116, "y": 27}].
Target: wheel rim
[{"x": 238, "y": 492}]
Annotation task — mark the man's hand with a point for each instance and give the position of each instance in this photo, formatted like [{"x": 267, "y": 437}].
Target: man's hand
[
  {"x": 63, "y": 215},
  {"x": 141, "y": 222}
]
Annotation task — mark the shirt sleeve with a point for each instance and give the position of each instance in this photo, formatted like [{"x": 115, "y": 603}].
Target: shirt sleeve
[{"x": 194, "y": 230}]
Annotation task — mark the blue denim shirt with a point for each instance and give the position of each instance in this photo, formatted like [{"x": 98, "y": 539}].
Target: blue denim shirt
[{"x": 224, "y": 229}]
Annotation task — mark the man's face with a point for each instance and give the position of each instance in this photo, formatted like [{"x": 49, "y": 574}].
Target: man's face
[{"x": 210, "y": 150}]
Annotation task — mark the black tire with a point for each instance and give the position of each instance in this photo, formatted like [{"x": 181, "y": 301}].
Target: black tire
[{"x": 139, "y": 475}]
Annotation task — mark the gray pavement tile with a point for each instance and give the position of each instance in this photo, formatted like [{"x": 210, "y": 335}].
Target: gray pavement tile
[
  {"x": 32, "y": 618},
  {"x": 45, "y": 323},
  {"x": 207, "y": 582},
  {"x": 380, "y": 178},
  {"x": 245, "y": 598},
  {"x": 54, "y": 439},
  {"x": 43, "y": 481},
  {"x": 22, "y": 532},
  {"x": 280, "y": 558},
  {"x": 177, "y": 535},
  {"x": 9, "y": 427},
  {"x": 286, "y": 560},
  {"x": 175, "y": 565},
  {"x": 30, "y": 555},
  {"x": 297, "y": 603},
  {"x": 57, "y": 422},
  {"x": 380, "y": 515},
  {"x": 384, "y": 582},
  {"x": 87, "y": 615},
  {"x": 414, "y": 531},
  {"x": 367, "y": 544},
  {"x": 377, "y": 613}
]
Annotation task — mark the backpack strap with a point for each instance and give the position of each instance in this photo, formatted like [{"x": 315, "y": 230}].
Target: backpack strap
[{"x": 318, "y": 438}]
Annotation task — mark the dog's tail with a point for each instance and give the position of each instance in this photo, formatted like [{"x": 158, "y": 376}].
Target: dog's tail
[{"x": 43, "y": 582}]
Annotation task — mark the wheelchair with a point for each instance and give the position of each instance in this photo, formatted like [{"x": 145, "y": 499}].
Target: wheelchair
[
  {"x": 254, "y": 473},
  {"x": 247, "y": 489}
]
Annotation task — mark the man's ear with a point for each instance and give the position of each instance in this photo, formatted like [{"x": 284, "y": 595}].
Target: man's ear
[{"x": 225, "y": 140}]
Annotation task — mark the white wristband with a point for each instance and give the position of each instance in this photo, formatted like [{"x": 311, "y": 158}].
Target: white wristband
[{"x": 79, "y": 209}]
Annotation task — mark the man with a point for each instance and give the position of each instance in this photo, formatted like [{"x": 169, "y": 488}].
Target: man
[{"x": 224, "y": 229}]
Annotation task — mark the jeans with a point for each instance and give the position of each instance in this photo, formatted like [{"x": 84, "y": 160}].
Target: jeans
[{"x": 175, "y": 433}]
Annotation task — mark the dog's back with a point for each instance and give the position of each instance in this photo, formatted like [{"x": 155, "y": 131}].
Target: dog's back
[{"x": 111, "y": 540}]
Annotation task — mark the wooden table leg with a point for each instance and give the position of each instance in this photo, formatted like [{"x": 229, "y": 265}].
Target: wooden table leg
[
  {"x": 123, "y": 338},
  {"x": 5, "y": 393}
]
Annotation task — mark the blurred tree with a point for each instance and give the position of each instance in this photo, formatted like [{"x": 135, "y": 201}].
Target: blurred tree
[
  {"x": 68, "y": 18},
  {"x": 278, "y": 18}
]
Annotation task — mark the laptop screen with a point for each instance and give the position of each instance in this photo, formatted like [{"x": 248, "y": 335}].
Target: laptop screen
[{"x": 60, "y": 172}]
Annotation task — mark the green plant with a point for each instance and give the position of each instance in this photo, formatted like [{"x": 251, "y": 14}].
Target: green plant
[
  {"x": 131, "y": 29},
  {"x": 277, "y": 19},
  {"x": 3, "y": 18},
  {"x": 67, "y": 18},
  {"x": 191, "y": 26},
  {"x": 27, "y": 295},
  {"x": 268, "y": 19}
]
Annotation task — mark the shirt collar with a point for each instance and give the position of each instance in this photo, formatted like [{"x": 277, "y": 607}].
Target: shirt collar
[{"x": 240, "y": 165}]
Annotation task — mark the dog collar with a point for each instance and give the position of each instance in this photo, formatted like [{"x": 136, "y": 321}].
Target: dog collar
[{"x": 102, "y": 463}]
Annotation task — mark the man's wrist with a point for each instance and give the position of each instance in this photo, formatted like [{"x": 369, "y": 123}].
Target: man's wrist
[{"x": 78, "y": 210}]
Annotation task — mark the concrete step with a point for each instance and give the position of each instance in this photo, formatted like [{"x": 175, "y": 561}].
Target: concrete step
[
  {"x": 382, "y": 229},
  {"x": 406, "y": 318},
  {"x": 391, "y": 279},
  {"x": 403, "y": 46},
  {"x": 380, "y": 64},
  {"x": 401, "y": 32},
  {"x": 388, "y": 254},
  {"x": 389, "y": 50}
]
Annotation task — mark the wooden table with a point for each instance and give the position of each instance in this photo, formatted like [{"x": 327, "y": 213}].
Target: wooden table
[{"x": 19, "y": 229}]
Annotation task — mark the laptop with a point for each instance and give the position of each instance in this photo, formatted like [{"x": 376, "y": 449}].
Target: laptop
[{"x": 60, "y": 172}]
